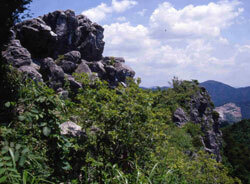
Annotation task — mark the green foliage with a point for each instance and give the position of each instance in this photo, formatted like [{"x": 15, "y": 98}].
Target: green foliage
[
  {"x": 129, "y": 136},
  {"x": 112, "y": 61},
  {"x": 9, "y": 14},
  {"x": 10, "y": 84},
  {"x": 237, "y": 149},
  {"x": 216, "y": 115}
]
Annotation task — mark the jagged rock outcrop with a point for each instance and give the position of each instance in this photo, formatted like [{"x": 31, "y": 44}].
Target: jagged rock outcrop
[
  {"x": 16, "y": 55},
  {"x": 52, "y": 47},
  {"x": 229, "y": 112},
  {"x": 201, "y": 112},
  {"x": 180, "y": 117}
]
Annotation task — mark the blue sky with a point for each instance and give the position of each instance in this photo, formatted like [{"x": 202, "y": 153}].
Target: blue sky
[{"x": 190, "y": 39}]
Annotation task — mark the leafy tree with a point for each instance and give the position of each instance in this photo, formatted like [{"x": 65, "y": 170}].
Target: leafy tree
[
  {"x": 237, "y": 149},
  {"x": 10, "y": 12}
]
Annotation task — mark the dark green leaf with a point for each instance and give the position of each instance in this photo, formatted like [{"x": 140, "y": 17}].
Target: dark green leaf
[
  {"x": 2, "y": 171},
  {"x": 25, "y": 150},
  {"x": 6, "y": 158},
  {"x": 3, "y": 179},
  {"x": 21, "y": 118},
  {"x": 22, "y": 161}
]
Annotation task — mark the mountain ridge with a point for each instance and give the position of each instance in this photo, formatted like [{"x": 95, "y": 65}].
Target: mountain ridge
[{"x": 222, "y": 94}]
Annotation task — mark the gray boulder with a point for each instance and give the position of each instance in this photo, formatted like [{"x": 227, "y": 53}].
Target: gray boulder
[
  {"x": 89, "y": 39},
  {"x": 16, "y": 55},
  {"x": 98, "y": 68},
  {"x": 71, "y": 129},
  {"x": 180, "y": 118},
  {"x": 37, "y": 37},
  {"x": 73, "y": 56},
  {"x": 111, "y": 75},
  {"x": 110, "y": 60},
  {"x": 83, "y": 68},
  {"x": 64, "y": 94},
  {"x": 74, "y": 85},
  {"x": 76, "y": 33},
  {"x": 31, "y": 73},
  {"x": 123, "y": 71},
  {"x": 52, "y": 73},
  {"x": 64, "y": 24},
  {"x": 67, "y": 66}
]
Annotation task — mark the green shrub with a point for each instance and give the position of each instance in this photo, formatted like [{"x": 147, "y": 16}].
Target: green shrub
[{"x": 129, "y": 136}]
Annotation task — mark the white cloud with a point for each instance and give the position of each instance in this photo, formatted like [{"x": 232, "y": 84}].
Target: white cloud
[
  {"x": 100, "y": 12},
  {"x": 121, "y": 6},
  {"x": 142, "y": 12},
  {"x": 121, "y": 19},
  {"x": 203, "y": 20},
  {"x": 187, "y": 54}
]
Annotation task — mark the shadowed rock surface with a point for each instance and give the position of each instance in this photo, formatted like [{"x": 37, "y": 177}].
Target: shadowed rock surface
[
  {"x": 180, "y": 118},
  {"x": 201, "y": 112},
  {"x": 53, "y": 46}
]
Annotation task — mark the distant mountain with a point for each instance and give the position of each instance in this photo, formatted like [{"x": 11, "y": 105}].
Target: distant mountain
[{"x": 222, "y": 94}]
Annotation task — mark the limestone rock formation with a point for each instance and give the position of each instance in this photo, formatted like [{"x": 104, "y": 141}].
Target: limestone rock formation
[
  {"x": 201, "y": 112},
  {"x": 180, "y": 118},
  {"x": 229, "y": 112},
  {"x": 52, "y": 47}
]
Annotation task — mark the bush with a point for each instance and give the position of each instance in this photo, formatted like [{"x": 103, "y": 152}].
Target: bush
[{"x": 129, "y": 136}]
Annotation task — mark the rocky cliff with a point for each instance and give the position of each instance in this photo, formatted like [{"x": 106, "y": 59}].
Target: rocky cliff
[
  {"x": 201, "y": 112},
  {"x": 52, "y": 47}
]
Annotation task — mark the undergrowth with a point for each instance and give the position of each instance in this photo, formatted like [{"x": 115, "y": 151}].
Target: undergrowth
[{"x": 129, "y": 137}]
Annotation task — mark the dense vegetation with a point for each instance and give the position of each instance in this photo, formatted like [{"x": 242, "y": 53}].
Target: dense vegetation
[
  {"x": 129, "y": 137},
  {"x": 237, "y": 149},
  {"x": 10, "y": 12}
]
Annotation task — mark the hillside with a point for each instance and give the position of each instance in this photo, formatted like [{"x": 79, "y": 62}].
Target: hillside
[
  {"x": 222, "y": 94},
  {"x": 237, "y": 149},
  {"x": 71, "y": 115}
]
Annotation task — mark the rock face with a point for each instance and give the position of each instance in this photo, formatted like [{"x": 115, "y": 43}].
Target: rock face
[
  {"x": 52, "y": 47},
  {"x": 229, "y": 112},
  {"x": 201, "y": 112},
  {"x": 180, "y": 118}
]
